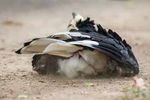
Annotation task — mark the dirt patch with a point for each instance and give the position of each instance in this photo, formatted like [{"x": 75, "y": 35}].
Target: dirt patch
[{"x": 11, "y": 23}]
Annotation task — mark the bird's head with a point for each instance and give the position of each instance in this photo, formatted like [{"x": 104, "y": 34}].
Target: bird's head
[{"x": 75, "y": 19}]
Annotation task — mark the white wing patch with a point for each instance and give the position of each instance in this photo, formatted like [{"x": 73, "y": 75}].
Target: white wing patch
[
  {"x": 61, "y": 35},
  {"x": 68, "y": 35},
  {"x": 78, "y": 34},
  {"x": 87, "y": 43}
]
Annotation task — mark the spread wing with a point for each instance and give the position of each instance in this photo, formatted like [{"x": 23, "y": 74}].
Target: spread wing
[{"x": 65, "y": 44}]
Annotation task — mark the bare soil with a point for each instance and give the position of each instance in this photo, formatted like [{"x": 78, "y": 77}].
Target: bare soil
[{"x": 22, "y": 20}]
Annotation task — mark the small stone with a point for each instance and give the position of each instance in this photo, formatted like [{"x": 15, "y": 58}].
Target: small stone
[
  {"x": 22, "y": 97},
  {"x": 89, "y": 84}
]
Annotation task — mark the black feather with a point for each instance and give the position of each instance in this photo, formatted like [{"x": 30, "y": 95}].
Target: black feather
[
  {"x": 126, "y": 44},
  {"x": 115, "y": 35},
  {"x": 110, "y": 43},
  {"x": 86, "y": 25},
  {"x": 18, "y": 51},
  {"x": 101, "y": 30}
]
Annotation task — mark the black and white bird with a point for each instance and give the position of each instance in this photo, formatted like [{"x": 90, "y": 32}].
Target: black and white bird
[{"x": 85, "y": 49}]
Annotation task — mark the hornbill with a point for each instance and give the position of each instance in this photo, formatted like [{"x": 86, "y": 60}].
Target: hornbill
[{"x": 86, "y": 49}]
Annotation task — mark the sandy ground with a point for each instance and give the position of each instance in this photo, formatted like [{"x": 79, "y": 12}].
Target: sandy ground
[{"x": 22, "y": 20}]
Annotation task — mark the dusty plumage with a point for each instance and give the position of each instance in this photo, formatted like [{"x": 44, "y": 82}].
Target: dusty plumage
[{"x": 85, "y": 49}]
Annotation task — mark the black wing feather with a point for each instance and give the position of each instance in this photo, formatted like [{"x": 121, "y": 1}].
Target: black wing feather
[
  {"x": 110, "y": 43},
  {"x": 86, "y": 25}
]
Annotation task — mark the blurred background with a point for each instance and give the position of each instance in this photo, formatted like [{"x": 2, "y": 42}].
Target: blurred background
[{"x": 22, "y": 20}]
